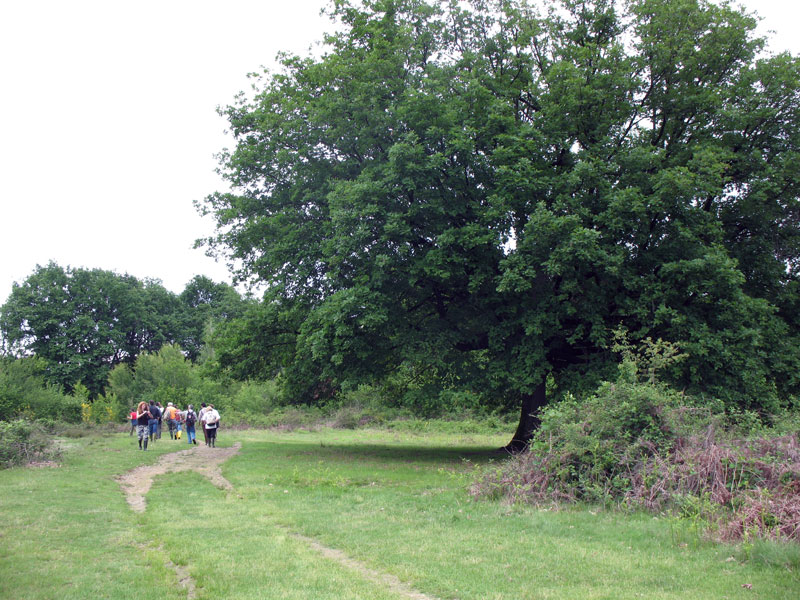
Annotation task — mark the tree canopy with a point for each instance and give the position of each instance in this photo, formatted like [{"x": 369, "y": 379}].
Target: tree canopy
[
  {"x": 493, "y": 189},
  {"x": 82, "y": 322},
  {"x": 205, "y": 303},
  {"x": 164, "y": 376}
]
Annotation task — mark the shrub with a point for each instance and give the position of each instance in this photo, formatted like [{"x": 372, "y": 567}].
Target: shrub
[
  {"x": 210, "y": 392},
  {"x": 255, "y": 397},
  {"x": 106, "y": 408},
  {"x": 22, "y": 442},
  {"x": 430, "y": 402},
  {"x": 49, "y": 402},
  {"x": 291, "y": 417},
  {"x": 24, "y": 393},
  {"x": 364, "y": 396},
  {"x": 353, "y": 416},
  {"x": 164, "y": 376},
  {"x": 586, "y": 448},
  {"x": 644, "y": 445}
]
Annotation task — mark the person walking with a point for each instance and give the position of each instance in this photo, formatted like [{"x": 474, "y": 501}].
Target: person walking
[
  {"x": 155, "y": 419},
  {"x": 171, "y": 416},
  {"x": 211, "y": 424},
  {"x": 133, "y": 419},
  {"x": 142, "y": 424},
  {"x": 203, "y": 410},
  {"x": 189, "y": 419},
  {"x": 178, "y": 422},
  {"x": 160, "y": 418}
]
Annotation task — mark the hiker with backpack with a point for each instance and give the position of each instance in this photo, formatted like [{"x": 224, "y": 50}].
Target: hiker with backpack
[
  {"x": 171, "y": 414},
  {"x": 178, "y": 423},
  {"x": 155, "y": 419},
  {"x": 210, "y": 420},
  {"x": 189, "y": 419},
  {"x": 203, "y": 411}
]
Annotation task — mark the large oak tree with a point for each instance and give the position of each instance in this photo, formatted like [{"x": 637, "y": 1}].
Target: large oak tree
[{"x": 489, "y": 188}]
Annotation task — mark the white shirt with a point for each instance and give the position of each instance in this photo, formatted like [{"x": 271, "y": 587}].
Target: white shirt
[{"x": 210, "y": 417}]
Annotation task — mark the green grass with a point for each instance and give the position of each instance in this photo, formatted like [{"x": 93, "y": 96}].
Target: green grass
[
  {"x": 68, "y": 532},
  {"x": 394, "y": 501}
]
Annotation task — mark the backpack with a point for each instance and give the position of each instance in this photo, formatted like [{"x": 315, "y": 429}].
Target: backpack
[{"x": 190, "y": 417}]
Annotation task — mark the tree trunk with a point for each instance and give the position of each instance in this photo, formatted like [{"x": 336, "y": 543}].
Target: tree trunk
[{"x": 528, "y": 419}]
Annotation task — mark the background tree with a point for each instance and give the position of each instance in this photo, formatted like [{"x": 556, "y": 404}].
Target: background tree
[
  {"x": 83, "y": 322},
  {"x": 24, "y": 392},
  {"x": 207, "y": 303},
  {"x": 163, "y": 376},
  {"x": 479, "y": 186}
]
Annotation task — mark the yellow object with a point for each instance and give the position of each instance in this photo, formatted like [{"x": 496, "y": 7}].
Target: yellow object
[{"x": 179, "y": 434}]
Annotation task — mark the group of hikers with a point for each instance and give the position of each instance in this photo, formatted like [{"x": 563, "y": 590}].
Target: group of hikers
[{"x": 147, "y": 419}]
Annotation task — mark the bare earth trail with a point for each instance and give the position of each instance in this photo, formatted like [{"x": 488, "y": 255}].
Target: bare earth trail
[
  {"x": 207, "y": 461},
  {"x": 201, "y": 459}
]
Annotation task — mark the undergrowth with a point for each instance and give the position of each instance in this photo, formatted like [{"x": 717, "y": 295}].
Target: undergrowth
[
  {"x": 643, "y": 445},
  {"x": 24, "y": 442},
  {"x": 362, "y": 416}
]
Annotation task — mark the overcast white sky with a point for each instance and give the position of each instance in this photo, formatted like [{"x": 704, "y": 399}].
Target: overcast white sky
[{"x": 108, "y": 124}]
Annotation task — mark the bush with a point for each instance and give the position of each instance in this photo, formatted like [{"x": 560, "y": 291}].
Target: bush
[
  {"x": 25, "y": 394},
  {"x": 255, "y": 398},
  {"x": 50, "y": 402},
  {"x": 289, "y": 418},
  {"x": 22, "y": 442},
  {"x": 104, "y": 409},
  {"x": 354, "y": 416},
  {"x": 591, "y": 445},
  {"x": 431, "y": 402},
  {"x": 164, "y": 376},
  {"x": 644, "y": 445}
]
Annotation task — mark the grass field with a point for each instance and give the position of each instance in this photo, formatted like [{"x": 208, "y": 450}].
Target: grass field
[{"x": 339, "y": 515}]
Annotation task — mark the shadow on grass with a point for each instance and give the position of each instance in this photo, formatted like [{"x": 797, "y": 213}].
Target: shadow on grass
[{"x": 388, "y": 453}]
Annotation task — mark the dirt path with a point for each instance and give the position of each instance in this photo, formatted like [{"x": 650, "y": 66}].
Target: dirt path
[
  {"x": 202, "y": 459},
  {"x": 206, "y": 461},
  {"x": 385, "y": 580}
]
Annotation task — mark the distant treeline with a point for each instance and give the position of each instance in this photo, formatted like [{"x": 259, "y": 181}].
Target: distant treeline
[{"x": 81, "y": 323}]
